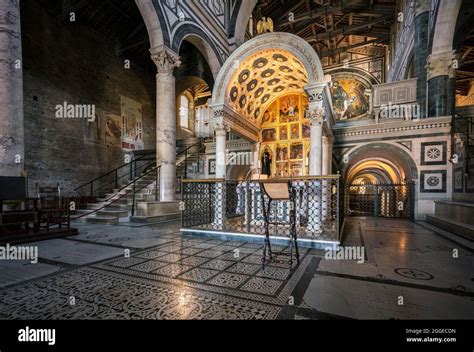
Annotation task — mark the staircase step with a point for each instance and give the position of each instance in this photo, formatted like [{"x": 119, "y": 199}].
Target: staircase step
[
  {"x": 448, "y": 235},
  {"x": 109, "y": 220},
  {"x": 114, "y": 213},
  {"x": 94, "y": 206},
  {"x": 154, "y": 219},
  {"x": 455, "y": 227}
]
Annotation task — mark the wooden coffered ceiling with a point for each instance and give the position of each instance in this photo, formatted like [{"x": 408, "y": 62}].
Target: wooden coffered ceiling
[{"x": 337, "y": 30}]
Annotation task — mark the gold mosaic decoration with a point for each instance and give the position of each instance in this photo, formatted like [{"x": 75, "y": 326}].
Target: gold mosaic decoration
[
  {"x": 285, "y": 135},
  {"x": 263, "y": 77}
]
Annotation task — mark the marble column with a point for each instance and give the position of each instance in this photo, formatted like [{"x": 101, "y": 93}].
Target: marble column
[
  {"x": 316, "y": 113},
  {"x": 422, "y": 16},
  {"x": 166, "y": 61},
  {"x": 441, "y": 83},
  {"x": 316, "y": 140},
  {"x": 256, "y": 158},
  {"x": 221, "y": 155},
  {"x": 220, "y": 130},
  {"x": 12, "y": 140},
  {"x": 327, "y": 156}
]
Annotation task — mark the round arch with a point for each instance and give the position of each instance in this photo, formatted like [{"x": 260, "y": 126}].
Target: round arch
[
  {"x": 243, "y": 18},
  {"x": 443, "y": 38},
  {"x": 152, "y": 23},
  {"x": 291, "y": 43},
  {"x": 201, "y": 41},
  {"x": 391, "y": 159}
]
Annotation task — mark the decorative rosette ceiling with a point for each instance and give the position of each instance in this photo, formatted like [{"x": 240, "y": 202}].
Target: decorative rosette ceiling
[{"x": 261, "y": 79}]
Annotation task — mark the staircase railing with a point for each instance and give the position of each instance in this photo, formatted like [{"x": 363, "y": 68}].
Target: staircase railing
[
  {"x": 133, "y": 184},
  {"x": 115, "y": 177}
]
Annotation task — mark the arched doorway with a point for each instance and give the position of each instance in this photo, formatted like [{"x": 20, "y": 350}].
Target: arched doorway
[{"x": 379, "y": 183}]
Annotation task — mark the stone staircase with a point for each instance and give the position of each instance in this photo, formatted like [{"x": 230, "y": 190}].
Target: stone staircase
[
  {"x": 455, "y": 220},
  {"x": 116, "y": 206}
]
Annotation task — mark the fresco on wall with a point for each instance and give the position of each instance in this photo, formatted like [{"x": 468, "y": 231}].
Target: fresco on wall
[
  {"x": 132, "y": 124},
  {"x": 348, "y": 98},
  {"x": 113, "y": 131}
]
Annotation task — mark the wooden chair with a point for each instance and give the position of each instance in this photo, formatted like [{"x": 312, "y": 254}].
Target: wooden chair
[{"x": 51, "y": 211}]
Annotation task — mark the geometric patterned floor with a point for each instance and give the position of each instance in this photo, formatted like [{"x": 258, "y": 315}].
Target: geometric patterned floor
[{"x": 186, "y": 278}]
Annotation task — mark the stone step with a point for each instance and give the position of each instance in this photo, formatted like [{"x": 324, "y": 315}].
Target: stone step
[
  {"x": 448, "y": 235},
  {"x": 455, "y": 227},
  {"x": 114, "y": 213},
  {"x": 155, "y": 219},
  {"x": 108, "y": 220},
  {"x": 462, "y": 212},
  {"x": 94, "y": 206}
]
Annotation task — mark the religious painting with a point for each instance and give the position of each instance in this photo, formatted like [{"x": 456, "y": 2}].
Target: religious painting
[
  {"x": 296, "y": 151},
  {"x": 283, "y": 133},
  {"x": 113, "y": 131},
  {"x": 348, "y": 97},
  {"x": 289, "y": 109},
  {"x": 296, "y": 169},
  {"x": 282, "y": 152},
  {"x": 269, "y": 135},
  {"x": 132, "y": 124},
  {"x": 270, "y": 116},
  {"x": 277, "y": 132},
  {"x": 282, "y": 170},
  {"x": 295, "y": 131},
  {"x": 306, "y": 129}
]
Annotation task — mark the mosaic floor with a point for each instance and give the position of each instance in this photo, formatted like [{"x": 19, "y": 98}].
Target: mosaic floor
[{"x": 120, "y": 272}]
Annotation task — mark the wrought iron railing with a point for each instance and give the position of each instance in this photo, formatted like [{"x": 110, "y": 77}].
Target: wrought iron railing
[
  {"x": 236, "y": 206},
  {"x": 115, "y": 178},
  {"x": 149, "y": 176},
  {"x": 384, "y": 201}
]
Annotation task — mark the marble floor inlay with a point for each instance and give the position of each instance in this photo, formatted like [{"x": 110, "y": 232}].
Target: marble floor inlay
[{"x": 155, "y": 272}]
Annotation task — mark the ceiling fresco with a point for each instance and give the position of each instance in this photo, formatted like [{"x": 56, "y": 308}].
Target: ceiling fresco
[{"x": 263, "y": 77}]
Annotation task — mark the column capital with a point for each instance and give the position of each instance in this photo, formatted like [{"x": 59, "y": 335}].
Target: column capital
[
  {"x": 442, "y": 64},
  {"x": 218, "y": 121},
  {"x": 315, "y": 92},
  {"x": 166, "y": 60}
]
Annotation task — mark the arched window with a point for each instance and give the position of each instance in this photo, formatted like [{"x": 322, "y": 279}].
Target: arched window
[{"x": 184, "y": 111}]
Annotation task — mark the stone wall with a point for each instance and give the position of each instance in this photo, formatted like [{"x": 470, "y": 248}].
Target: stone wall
[{"x": 69, "y": 62}]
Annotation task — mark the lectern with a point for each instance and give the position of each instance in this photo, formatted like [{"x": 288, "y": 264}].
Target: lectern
[{"x": 279, "y": 193}]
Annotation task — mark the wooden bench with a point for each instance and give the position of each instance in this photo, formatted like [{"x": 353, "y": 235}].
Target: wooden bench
[{"x": 14, "y": 190}]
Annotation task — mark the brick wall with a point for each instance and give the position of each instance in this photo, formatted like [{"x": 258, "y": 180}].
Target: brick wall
[{"x": 74, "y": 63}]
